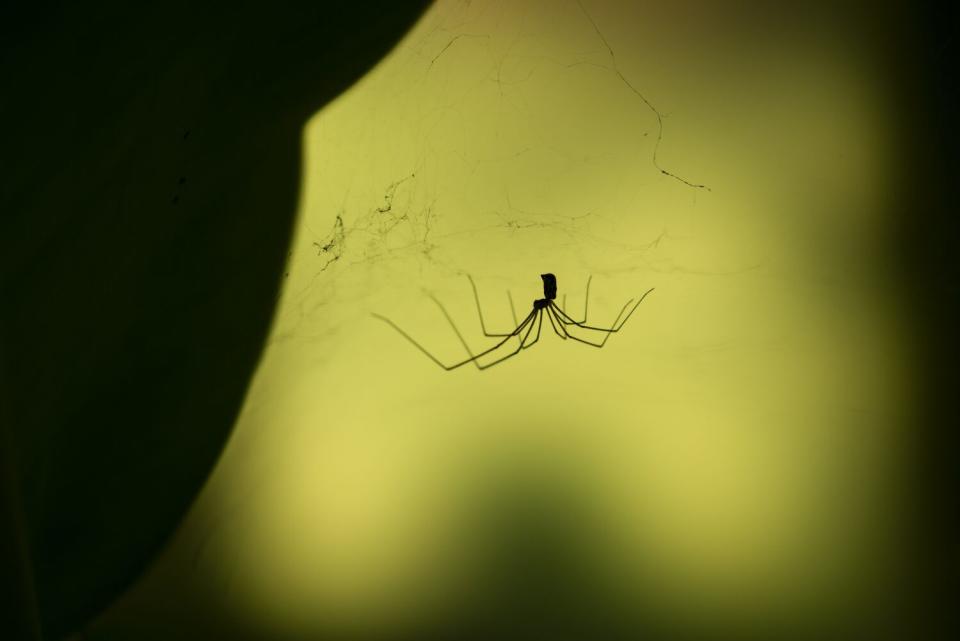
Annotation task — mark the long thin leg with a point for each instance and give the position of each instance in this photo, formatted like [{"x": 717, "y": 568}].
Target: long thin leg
[
  {"x": 554, "y": 325},
  {"x": 586, "y": 301},
  {"x": 539, "y": 325},
  {"x": 463, "y": 362},
  {"x": 463, "y": 341},
  {"x": 514, "y": 352},
  {"x": 566, "y": 320},
  {"x": 555, "y": 321},
  {"x": 476, "y": 298},
  {"x": 583, "y": 340}
]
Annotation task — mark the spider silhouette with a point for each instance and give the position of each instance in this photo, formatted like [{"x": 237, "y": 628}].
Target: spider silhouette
[{"x": 562, "y": 324}]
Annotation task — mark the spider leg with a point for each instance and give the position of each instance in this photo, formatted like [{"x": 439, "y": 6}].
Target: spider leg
[
  {"x": 515, "y": 332},
  {"x": 539, "y": 325},
  {"x": 513, "y": 310},
  {"x": 556, "y": 331},
  {"x": 476, "y": 297},
  {"x": 566, "y": 320},
  {"x": 565, "y": 335},
  {"x": 463, "y": 362},
  {"x": 586, "y": 302},
  {"x": 514, "y": 352},
  {"x": 586, "y": 299},
  {"x": 583, "y": 340}
]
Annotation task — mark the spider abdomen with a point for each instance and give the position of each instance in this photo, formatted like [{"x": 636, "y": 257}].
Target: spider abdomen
[{"x": 549, "y": 286}]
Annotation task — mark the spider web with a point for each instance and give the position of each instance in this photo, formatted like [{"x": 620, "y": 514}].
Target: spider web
[{"x": 499, "y": 139}]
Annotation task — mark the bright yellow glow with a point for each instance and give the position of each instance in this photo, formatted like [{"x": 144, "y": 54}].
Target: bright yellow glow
[{"x": 733, "y": 450}]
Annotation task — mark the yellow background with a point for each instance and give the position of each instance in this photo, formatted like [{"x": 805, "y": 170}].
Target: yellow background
[{"x": 732, "y": 458}]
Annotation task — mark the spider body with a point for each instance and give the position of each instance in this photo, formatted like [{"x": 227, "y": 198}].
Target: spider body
[
  {"x": 549, "y": 286},
  {"x": 549, "y": 292},
  {"x": 562, "y": 324}
]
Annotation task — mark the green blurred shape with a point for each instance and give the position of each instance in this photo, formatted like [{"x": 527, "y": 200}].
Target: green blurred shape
[{"x": 152, "y": 167}]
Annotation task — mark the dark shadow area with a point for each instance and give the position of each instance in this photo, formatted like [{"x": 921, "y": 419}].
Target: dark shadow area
[
  {"x": 928, "y": 246},
  {"x": 151, "y": 167}
]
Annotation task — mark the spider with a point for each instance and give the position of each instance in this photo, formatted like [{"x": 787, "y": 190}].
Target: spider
[{"x": 545, "y": 306}]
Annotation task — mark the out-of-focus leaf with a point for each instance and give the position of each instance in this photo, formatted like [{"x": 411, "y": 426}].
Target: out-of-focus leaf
[{"x": 151, "y": 174}]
